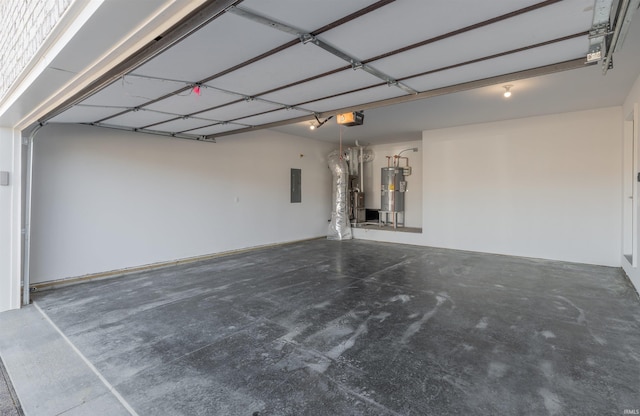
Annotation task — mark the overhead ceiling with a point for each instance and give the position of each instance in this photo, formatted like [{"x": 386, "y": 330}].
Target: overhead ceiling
[{"x": 413, "y": 65}]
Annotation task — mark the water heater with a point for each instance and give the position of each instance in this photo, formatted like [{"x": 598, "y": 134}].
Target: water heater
[{"x": 393, "y": 188}]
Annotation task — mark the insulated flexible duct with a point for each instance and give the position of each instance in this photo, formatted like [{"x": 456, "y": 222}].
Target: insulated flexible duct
[{"x": 339, "y": 227}]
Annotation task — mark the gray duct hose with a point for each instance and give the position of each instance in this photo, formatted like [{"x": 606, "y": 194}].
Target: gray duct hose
[{"x": 339, "y": 228}]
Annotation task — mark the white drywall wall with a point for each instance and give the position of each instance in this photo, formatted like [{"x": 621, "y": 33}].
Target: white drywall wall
[
  {"x": 373, "y": 178},
  {"x": 546, "y": 187},
  {"x": 632, "y": 98},
  {"x": 107, "y": 200},
  {"x": 630, "y": 111}
]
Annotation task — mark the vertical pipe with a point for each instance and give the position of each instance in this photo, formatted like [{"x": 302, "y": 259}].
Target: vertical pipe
[
  {"x": 361, "y": 169},
  {"x": 26, "y": 269}
]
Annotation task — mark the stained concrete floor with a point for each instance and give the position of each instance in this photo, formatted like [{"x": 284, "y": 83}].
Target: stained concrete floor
[
  {"x": 334, "y": 328},
  {"x": 9, "y": 403}
]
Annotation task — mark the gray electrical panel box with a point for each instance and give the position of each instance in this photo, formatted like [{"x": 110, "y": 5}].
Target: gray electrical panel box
[
  {"x": 4, "y": 178},
  {"x": 296, "y": 185}
]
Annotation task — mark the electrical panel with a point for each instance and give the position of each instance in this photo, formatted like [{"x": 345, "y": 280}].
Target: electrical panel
[{"x": 296, "y": 186}]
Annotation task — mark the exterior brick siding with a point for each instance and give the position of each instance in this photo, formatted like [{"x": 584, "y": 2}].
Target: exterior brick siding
[{"x": 24, "y": 27}]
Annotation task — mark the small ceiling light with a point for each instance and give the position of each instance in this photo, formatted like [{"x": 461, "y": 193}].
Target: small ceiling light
[
  {"x": 312, "y": 127},
  {"x": 507, "y": 91}
]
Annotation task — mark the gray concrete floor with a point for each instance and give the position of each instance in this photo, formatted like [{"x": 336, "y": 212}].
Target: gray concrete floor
[
  {"x": 333, "y": 328},
  {"x": 9, "y": 403}
]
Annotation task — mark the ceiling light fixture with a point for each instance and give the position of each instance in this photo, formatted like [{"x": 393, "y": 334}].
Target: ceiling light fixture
[
  {"x": 312, "y": 126},
  {"x": 507, "y": 91}
]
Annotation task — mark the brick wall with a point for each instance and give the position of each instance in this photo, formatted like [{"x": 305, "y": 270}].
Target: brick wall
[{"x": 24, "y": 26}]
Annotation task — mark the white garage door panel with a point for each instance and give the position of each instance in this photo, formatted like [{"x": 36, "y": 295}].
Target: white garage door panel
[
  {"x": 132, "y": 91},
  {"x": 308, "y": 15},
  {"x": 138, "y": 119},
  {"x": 273, "y": 117},
  {"x": 295, "y": 63},
  {"x": 520, "y": 61},
  {"x": 353, "y": 99},
  {"x": 487, "y": 41},
  {"x": 238, "y": 110},
  {"x": 180, "y": 125},
  {"x": 343, "y": 81},
  {"x": 190, "y": 102},
  {"x": 228, "y": 41},
  {"x": 218, "y": 128},
  {"x": 244, "y": 78},
  {"x": 408, "y": 21},
  {"x": 86, "y": 114}
]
